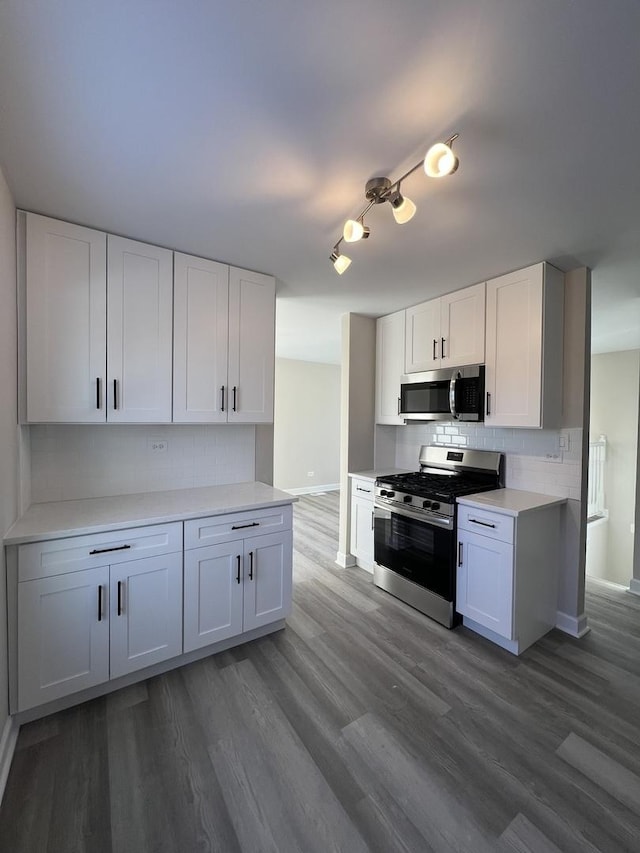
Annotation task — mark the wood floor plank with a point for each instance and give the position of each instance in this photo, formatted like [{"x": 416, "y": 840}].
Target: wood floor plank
[{"x": 522, "y": 836}]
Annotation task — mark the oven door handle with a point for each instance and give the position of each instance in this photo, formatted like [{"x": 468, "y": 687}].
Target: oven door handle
[{"x": 452, "y": 393}]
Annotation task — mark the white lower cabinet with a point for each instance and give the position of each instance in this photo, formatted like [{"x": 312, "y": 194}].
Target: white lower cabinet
[
  {"x": 80, "y": 629},
  {"x": 361, "y": 539},
  {"x": 63, "y": 635},
  {"x": 145, "y": 612},
  {"x": 507, "y": 570},
  {"x": 235, "y": 587}
]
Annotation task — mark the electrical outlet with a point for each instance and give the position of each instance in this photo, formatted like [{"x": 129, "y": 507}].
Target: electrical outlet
[
  {"x": 553, "y": 457},
  {"x": 157, "y": 445},
  {"x": 310, "y": 473},
  {"x": 563, "y": 442}
]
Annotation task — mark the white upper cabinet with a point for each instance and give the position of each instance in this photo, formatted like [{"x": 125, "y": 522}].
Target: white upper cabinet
[
  {"x": 200, "y": 340},
  {"x": 389, "y": 367},
  {"x": 251, "y": 347},
  {"x": 139, "y": 329},
  {"x": 66, "y": 329},
  {"x": 523, "y": 380},
  {"x": 446, "y": 332}
]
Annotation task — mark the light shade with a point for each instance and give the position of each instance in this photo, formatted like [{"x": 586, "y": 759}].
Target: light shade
[
  {"x": 354, "y": 230},
  {"x": 440, "y": 161},
  {"x": 403, "y": 208},
  {"x": 340, "y": 262}
]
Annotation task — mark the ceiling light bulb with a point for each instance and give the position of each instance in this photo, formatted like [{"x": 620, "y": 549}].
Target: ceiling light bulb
[
  {"x": 403, "y": 208},
  {"x": 440, "y": 161},
  {"x": 340, "y": 262},
  {"x": 354, "y": 230}
]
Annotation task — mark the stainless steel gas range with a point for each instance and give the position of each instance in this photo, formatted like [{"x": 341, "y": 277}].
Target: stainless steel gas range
[{"x": 415, "y": 526}]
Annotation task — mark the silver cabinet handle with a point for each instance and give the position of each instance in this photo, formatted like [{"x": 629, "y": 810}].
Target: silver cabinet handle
[
  {"x": 483, "y": 523},
  {"x": 98, "y": 393},
  {"x": 120, "y": 585},
  {"x": 459, "y": 553},
  {"x": 488, "y": 412},
  {"x": 222, "y": 403},
  {"x": 250, "y": 565},
  {"x": 238, "y": 575},
  {"x": 452, "y": 393},
  {"x": 398, "y": 405}
]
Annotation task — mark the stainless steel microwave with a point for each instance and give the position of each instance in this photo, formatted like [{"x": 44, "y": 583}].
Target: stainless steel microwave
[{"x": 443, "y": 395}]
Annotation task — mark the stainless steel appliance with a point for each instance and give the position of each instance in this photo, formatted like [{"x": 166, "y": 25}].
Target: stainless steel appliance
[
  {"x": 415, "y": 526},
  {"x": 443, "y": 395}
]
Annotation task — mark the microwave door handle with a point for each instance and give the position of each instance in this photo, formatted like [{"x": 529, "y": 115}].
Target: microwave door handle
[{"x": 452, "y": 394}]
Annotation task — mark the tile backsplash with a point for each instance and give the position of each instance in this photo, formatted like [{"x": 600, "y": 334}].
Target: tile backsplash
[
  {"x": 74, "y": 462},
  {"x": 534, "y": 460}
]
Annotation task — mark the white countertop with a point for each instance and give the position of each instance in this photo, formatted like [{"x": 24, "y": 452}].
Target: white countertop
[
  {"x": 511, "y": 501},
  {"x": 373, "y": 475},
  {"x": 58, "y": 519}
]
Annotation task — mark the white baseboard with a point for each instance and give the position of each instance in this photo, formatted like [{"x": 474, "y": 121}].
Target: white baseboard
[
  {"x": 634, "y": 586},
  {"x": 345, "y": 561},
  {"x": 575, "y": 626},
  {"x": 311, "y": 490},
  {"x": 7, "y": 748}
]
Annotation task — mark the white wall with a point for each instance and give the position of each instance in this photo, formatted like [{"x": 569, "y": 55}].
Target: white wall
[
  {"x": 9, "y": 432},
  {"x": 85, "y": 461},
  {"x": 614, "y": 412},
  {"x": 306, "y": 425}
]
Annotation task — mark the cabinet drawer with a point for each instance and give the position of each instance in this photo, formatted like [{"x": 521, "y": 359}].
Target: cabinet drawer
[
  {"x": 491, "y": 524},
  {"x": 225, "y": 528},
  {"x": 361, "y": 488},
  {"x": 59, "y": 556}
]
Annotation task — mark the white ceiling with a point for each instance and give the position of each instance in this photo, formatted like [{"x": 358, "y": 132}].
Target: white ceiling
[{"x": 245, "y": 131}]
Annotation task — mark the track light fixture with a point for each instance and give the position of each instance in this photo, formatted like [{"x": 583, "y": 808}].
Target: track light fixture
[{"x": 438, "y": 162}]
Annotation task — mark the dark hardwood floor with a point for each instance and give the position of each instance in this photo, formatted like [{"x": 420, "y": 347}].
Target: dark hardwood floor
[{"x": 363, "y": 726}]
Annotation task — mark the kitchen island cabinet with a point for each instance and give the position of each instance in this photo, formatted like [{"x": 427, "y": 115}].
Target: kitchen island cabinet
[{"x": 508, "y": 563}]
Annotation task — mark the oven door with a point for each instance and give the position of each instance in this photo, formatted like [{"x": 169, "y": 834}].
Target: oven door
[{"x": 417, "y": 550}]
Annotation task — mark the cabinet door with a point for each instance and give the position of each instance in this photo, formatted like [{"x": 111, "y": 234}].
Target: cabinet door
[
  {"x": 213, "y": 592},
  {"x": 390, "y": 332},
  {"x": 66, "y": 322},
  {"x": 513, "y": 376},
  {"x": 251, "y": 347},
  {"x": 267, "y": 579},
  {"x": 362, "y": 530},
  {"x": 200, "y": 340},
  {"x": 146, "y": 612},
  {"x": 139, "y": 332},
  {"x": 422, "y": 343},
  {"x": 485, "y": 582},
  {"x": 63, "y": 635},
  {"x": 462, "y": 316}
]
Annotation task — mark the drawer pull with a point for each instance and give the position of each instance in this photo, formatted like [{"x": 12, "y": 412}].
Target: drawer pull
[
  {"x": 242, "y": 526},
  {"x": 98, "y": 394},
  {"x": 120, "y": 598},
  {"x": 435, "y": 343},
  {"x": 442, "y": 347},
  {"x": 238, "y": 575},
  {"x": 360, "y": 489},
  {"x": 235, "y": 398},
  {"x": 250, "y": 565},
  {"x": 100, "y": 603},
  {"x": 106, "y": 550},
  {"x": 372, "y": 516},
  {"x": 488, "y": 409},
  {"x": 222, "y": 403},
  {"x": 483, "y": 523},
  {"x": 459, "y": 553},
  {"x": 115, "y": 394}
]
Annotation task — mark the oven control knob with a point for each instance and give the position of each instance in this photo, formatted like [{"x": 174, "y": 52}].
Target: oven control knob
[
  {"x": 426, "y": 504},
  {"x": 391, "y": 494},
  {"x": 383, "y": 492},
  {"x": 407, "y": 499},
  {"x": 435, "y": 505}
]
